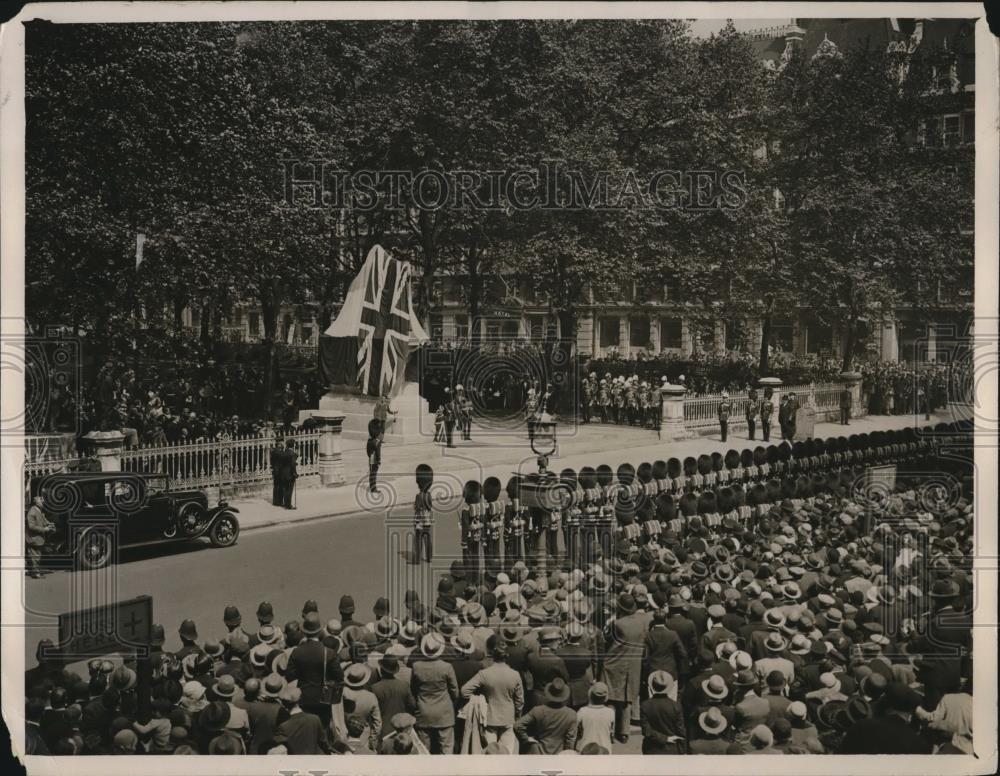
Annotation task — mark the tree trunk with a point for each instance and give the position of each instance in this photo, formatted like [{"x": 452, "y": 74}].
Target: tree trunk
[
  {"x": 765, "y": 335},
  {"x": 565, "y": 361},
  {"x": 269, "y": 309},
  {"x": 205, "y": 327},
  {"x": 179, "y": 305},
  {"x": 849, "y": 346}
]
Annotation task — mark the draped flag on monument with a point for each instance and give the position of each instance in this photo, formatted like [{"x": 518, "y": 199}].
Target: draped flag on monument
[{"x": 368, "y": 344}]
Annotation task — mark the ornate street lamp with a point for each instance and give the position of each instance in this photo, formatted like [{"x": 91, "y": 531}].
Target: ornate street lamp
[{"x": 543, "y": 440}]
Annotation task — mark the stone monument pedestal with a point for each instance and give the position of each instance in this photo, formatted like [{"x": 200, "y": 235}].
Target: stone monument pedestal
[
  {"x": 108, "y": 446},
  {"x": 805, "y": 423},
  {"x": 672, "y": 417},
  {"x": 412, "y": 423}
]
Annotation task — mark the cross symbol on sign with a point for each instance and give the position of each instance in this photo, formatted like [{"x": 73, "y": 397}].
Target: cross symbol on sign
[{"x": 132, "y": 624}]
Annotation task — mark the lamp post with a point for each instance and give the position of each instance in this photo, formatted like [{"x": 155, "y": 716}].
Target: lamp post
[{"x": 543, "y": 440}]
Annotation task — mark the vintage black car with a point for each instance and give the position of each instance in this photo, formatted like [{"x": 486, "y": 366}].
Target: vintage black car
[{"x": 96, "y": 514}]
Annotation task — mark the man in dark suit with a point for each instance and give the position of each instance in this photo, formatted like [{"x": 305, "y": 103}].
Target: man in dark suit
[
  {"x": 678, "y": 622},
  {"x": 663, "y": 729},
  {"x": 315, "y": 665},
  {"x": 663, "y": 650},
  {"x": 288, "y": 473},
  {"x": 262, "y": 706},
  {"x": 393, "y": 694},
  {"x": 302, "y": 732},
  {"x": 578, "y": 660},
  {"x": 277, "y": 454},
  {"x": 846, "y": 401},
  {"x": 374, "y": 450},
  {"x": 890, "y": 732}
]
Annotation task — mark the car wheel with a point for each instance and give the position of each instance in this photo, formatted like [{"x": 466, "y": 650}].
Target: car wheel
[
  {"x": 225, "y": 530},
  {"x": 96, "y": 549},
  {"x": 190, "y": 520}
]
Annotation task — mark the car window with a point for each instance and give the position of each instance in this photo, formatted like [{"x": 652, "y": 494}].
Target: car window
[{"x": 156, "y": 485}]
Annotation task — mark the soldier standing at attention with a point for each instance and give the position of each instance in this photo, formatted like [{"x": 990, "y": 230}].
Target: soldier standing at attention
[
  {"x": 374, "y": 449},
  {"x": 766, "y": 408},
  {"x": 423, "y": 517},
  {"x": 846, "y": 400},
  {"x": 725, "y": 409},
  {"x": 587, "y": 395},
  {"x": 472, "y": 528},
  {"x": 753, "y": 409}
]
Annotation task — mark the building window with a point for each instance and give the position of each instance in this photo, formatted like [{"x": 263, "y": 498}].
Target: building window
[
  {"x": 462, "y": 326},
  {"x": 735, "y": 335},
  {"x": 706, "y": 336},
  {"x": 969, "y": 127},
  {"x": 437, "y": 326},
  {"x": 493, "y": 330},
  {"x": 254, "y": 318},
  {"x": 536, "y": 327},
  {"x": 951, "y": 132},
  {"x": 610, "y": 332},
  {"x": 510, "y": 330},
  {"x": 782, "y": 335},
  {"x": 819, "y": 338},
  {"x": 638, "y": 332},
  {"x": 671, "y": 290},
  {"x": 670, "y": 334}
]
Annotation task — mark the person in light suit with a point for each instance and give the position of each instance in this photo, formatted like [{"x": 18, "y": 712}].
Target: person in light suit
[{"x": 503, "y": 689}]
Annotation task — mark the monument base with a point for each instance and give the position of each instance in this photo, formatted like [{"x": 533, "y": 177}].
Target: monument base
[{"x": 412, "y": 423}]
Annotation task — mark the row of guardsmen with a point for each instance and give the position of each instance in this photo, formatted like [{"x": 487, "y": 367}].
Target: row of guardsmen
[{"x": 600, "y": 509}]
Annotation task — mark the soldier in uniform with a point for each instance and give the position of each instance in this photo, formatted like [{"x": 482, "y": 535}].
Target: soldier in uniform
[
  {"x": 531, "y": 412},
  {"x": 675, "y": 471},
  {"x": 423, "y": 517},
  {"x": 493, "y": 520},
  {"x": 449, "y": 418},
  {"x": 604, "y": 399},
  {"x": 606, "y": 515},
  {"x": 374, "y": 450},
  {"x": 631, "y": 402},
  {"x": 587, "y": 396},
  {"x": 753, "y": 411},
  {"x": 463, "y": 407},
  {"x": 725, "y": 410},
  {"x": 472, "y": 528},
  {"x": 655, "y": 406},
  {"x": 618, "y": 397},
  {"x": 590, "y": 512},
  {"x": 514, "y": 525},
  {"x": 766, "y": 408},
  {"x": 572, "y": 512},
  {"x": 846, "y": 400}
]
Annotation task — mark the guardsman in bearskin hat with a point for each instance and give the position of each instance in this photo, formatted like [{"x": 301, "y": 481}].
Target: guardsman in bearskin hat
[
  {"x": 423, "y": 512},
  {"x": 675, "y": 472},
  {"x": 766, "y": 410},
  {"x": 492, "y": 524},
  {"x": 606, "y": 516},
  {"x": 472, "y": 528},
  {"x": 590, "y": 510},
  {"x": 688, "y": 504},
  {"x": 731, "y": 473},
  {"x": 753, "y": 412},
  {"x": 514, "y": 524},
  {"x": 651, "y": 526},
  {"x": 747, "y": 466},
  {"x": 744, "y": 511},
  {"x": 572, "y": 513},
  {"x": 552, "y": 522},
  {"x": 701, "y": 479},
  {"x": 692, "y": 480},
  {"x": 660, "y": 479},
  {"x": 666, "y": 514},
  {"x": 628, "y": 532}
]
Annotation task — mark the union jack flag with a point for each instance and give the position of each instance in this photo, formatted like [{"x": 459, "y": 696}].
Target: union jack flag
[{"x": 384, "y": 333}]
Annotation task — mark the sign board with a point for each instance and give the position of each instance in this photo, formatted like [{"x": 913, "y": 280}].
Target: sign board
[
  {"x": 884, "y": 477},
  {"x": 123, "y": 626}
]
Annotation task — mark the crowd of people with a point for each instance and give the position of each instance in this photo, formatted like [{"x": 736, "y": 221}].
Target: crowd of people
[
  {"x": 777, "y": 603},
  {"x": 896, "y": 388}
]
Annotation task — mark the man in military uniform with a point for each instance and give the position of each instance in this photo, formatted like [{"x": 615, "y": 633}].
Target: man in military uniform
[
  {"x": 493, "y": 524},
  {"x": 753, "y": 410},
  {"x": 846, "y": 400},
  {"x": 725, "y": 410},
  {"x": 604, "y": 398},
  {"x": 374, "y": 450},
  {"x": 472, "y": 528},
  {"x": 514, "y": 525},
  {"x": 449, "y": 418},
  {"x": 571, "y": 514},
  {"x": 423, "y": 517},
  {"x": 655, "y": 406},
  {"x": 587, "y": 397},
  {"x": 766, "y": 408},
  {"x": 618, "y": 399},
  {"x": 463, "y": 412}
]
